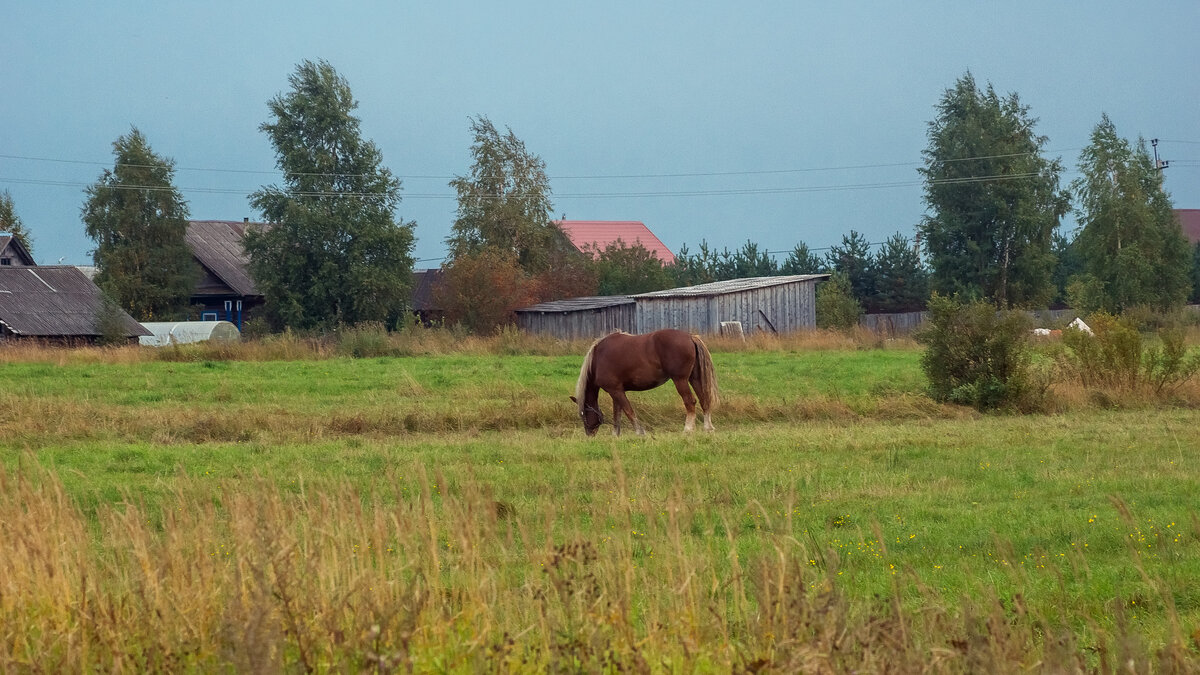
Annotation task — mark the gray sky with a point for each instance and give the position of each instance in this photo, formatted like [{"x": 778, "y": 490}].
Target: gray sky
[{"x": 776, "y": 122}]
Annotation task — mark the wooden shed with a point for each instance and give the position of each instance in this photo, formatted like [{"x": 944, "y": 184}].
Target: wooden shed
[
  {"x": 579, "y": 318},
  {"x": 770, "y": 304}
]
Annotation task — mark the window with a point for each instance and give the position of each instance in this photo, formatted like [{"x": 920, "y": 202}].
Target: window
[
  {"x": 6, "y": 261},
  {"x": 208, "y": 316}
]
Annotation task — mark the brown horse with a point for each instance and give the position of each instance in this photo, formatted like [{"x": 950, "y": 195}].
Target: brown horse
[{"x": 621, "y": 362}]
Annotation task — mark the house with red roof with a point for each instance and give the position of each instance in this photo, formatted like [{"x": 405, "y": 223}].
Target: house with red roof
[
  {"x": 1189, "y": 222},
  {"x": 596, "y": 235}
]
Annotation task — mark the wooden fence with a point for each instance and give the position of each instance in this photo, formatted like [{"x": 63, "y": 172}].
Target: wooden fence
[{"x": 905, "y": 323}]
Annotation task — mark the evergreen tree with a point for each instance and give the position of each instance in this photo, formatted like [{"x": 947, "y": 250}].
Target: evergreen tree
[
  {"x": 11, "y": 223},
  {"x": 900, "y": 281},
  {"x": 852, "y": 258},
  {"x": 332, "y": 252},
  {"x": 750, "y": 262},
  {"x": 138, "y": 220},
  {"x": 993, "y": 199},
  {"x": 802, "y": 261},
  {"x": 691, "y": 269},
  {"x": 504, "y": 202},
  {"x": 1131, "y": 245}
]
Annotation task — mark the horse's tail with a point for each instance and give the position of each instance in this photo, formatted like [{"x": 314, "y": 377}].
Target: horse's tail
[
  {"x": 709, "y": 393},
  {"x": 585, "y": 372}
]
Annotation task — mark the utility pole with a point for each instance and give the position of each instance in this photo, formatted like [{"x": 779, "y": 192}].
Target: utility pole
[{"x": 1159, "y": 165}]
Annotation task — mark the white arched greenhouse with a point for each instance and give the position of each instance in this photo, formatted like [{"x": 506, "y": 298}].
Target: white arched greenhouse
[{"x": 182, "y": 332}]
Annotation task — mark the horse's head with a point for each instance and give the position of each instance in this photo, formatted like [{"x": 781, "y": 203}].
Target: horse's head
[{"x": 590, "y": 415}]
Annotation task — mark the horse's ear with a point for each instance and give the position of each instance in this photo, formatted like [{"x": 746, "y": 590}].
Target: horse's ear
[{"x": 573, "y": 400}]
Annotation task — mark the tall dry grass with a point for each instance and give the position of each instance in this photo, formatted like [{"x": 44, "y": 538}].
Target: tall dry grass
[
  {"x": 371, "y": 340},
  {"x": 421, "y": 575}
]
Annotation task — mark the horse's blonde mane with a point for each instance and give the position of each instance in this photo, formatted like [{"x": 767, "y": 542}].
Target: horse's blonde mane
[{"x": 582, "y": 383}]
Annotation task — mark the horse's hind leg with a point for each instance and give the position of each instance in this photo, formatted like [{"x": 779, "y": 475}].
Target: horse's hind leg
[
  {"x": 621, "y": 404},
  {"x": 689, "y": 403}
]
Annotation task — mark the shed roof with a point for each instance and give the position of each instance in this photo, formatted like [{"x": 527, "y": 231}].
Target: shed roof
[
  {"x": 1189, "y": 222},
  {"x": 53, "y": 301},
  {"x": 580, "y": 304},
  {"x": 601, "y": 233},
  {"x": 731, "y": 286},
  {"x": 217, "y": 245}
]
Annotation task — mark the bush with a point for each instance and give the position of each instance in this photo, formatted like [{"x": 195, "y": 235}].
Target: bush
[
  {"x": 977, "y": 356},
  {"x": 836, "y": 305},
  {"x": 1114, "y": 355}
]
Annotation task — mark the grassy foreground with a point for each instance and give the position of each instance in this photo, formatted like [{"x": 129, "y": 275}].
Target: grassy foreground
[{"x": 445, "y": 513}]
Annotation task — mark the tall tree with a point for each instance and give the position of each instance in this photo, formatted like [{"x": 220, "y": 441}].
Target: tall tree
[
  {"x": 504, "y": 202},
  {"x": 333, "y": 252},
  {"x": 138, "y": 220},
  {"x": 1130, "y": 243},
  {"x": 749, "y": 261},
  {"x": 802, "y": 261},
  {"x": 626, "y": 270},
  {"x": 993, "y": 199},
  {"x": 11, "y": 223},
  {"x": 900, "y": 282},
  {"x": 852, "y": 258}
]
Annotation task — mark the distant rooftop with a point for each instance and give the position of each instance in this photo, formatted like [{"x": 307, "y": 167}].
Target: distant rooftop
[
  {"x": 1189, "y": 222},
  {"x": 601, "y": 233}
]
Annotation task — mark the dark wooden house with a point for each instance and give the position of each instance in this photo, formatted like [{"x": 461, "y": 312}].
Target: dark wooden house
[
  {"x": 225, "y": 291},
  {"x": 57, "y": 304},
  {"x": 13, "y": 253},
  {"x": 424, "y": 296}
]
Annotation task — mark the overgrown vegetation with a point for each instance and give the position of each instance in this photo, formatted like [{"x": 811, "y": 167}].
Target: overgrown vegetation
[
  {"x": 307, "y": 502},
  {"x": 977, "y": 356}
]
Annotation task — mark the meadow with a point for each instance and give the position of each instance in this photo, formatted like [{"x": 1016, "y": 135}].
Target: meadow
[{"x": 293, "y": 508}]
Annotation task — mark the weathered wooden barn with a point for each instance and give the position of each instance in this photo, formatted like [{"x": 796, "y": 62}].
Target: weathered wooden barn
[
  {"x": 59, "y": 304},
  {"x": 761, "y": 304},
  {"x": 579, "y": 318}
]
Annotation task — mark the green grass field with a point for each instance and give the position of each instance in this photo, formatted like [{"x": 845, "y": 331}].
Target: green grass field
[{"x": 449, "y": 511}]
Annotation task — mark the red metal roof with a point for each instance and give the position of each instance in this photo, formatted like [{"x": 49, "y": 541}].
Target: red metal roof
[
  {"x": 1189, "y": 221},
  {"x": 601, "y": 233}
]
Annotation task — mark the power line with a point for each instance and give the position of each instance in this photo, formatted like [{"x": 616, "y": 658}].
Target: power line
[
  {"x": 698, "y": 174},
  {"x": 568, "y": 195}
]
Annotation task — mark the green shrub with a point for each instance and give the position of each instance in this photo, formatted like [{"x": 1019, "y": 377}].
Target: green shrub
[
  {"x": 1115, "y": 355},
  {"x": 977, "y": 356},
  {"x": 836, "y": 306},
  {"x": 1109, "y": 356}
]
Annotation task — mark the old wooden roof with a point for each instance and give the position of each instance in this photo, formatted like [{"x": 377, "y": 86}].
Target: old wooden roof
[
  {"x": 580, "y": 304},
  {"x": 217, "y": 246},
  {"x": 53, "y": 301},
  {"x": 731, "y": 286}
]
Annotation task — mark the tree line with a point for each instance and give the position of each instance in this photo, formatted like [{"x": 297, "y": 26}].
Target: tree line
[{"x": 331, "y": 250}]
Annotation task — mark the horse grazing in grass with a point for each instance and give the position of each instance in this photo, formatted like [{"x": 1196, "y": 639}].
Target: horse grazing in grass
[{"x": 621, "y": 362}]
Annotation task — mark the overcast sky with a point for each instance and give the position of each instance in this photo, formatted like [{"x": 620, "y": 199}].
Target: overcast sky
[{"x": 773, "y": 122}]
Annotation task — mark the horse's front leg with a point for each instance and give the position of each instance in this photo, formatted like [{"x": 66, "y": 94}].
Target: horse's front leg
[{"x": 621, "y": 403}]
